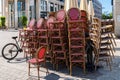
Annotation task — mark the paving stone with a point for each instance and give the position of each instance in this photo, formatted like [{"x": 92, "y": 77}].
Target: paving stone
[{"x": 18, "y": 70}]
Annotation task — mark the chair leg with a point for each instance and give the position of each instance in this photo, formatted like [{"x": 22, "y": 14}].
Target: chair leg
[
  {"x": 113, "y": 39},
  {"x": 112, "y": 45},
  {"x": 29, "y": 68},
  {"x": 112, "y": 52},
  {"x": 67, "y": 64},
  {"x": 46, "y": 68},
  {"x": 53, "y": 62},
  {"x": 56, "y": 64},
  {"x": 111, "y": 59},
  {"x": 70, "y": 68},
  {"x": 96, "y": 64},
  {"x": 38, "y": 69},
  {"x": 109, "y": 64},
  {"x": 84, "y": 68}
]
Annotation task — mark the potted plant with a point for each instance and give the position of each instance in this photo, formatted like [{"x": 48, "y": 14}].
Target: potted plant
[
  {"x": 3, "y": 20},
  {"x": 24, "y": 21},
  {"x": 0, "y": 24}
]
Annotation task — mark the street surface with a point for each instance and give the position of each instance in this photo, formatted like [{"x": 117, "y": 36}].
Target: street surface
[{"x": 17, "y": 69}]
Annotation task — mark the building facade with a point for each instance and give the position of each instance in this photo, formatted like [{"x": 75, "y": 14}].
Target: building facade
[
  {"x": 13, "y": 10},
  {"x": 116, "y": 16},
  {"x": 97, "y": 8}
]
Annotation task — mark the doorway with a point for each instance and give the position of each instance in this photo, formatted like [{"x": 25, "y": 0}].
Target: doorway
[
  {"x": 21, "y": 11},
  {"x": 11, "y": 13},
  {"x": 32, "y": 9}
]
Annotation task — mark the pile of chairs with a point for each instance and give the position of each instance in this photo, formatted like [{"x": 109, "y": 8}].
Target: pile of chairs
[
  {"x": 28, "y": 39},
  {"x": 76, "y": 36},
  {"x": 65, "y": 36},
  {"x": 58, "y": 36},
  {"x": 104, "y": 42},
  {"x": 108, "y": 22}
]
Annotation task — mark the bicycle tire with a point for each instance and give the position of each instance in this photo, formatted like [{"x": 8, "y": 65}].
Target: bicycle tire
[{"x": 6, "y": 48}]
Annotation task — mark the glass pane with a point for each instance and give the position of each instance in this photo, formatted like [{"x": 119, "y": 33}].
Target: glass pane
[
  {"x": 32, "y": 9},
  {"x": 11, "y": 14},
  {"x": 21, "y": 11}
]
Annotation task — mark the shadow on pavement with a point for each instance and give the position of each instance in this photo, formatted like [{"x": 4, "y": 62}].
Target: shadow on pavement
[
  {"x": 52, "y": 76},
  {"x": 117, "y": 49},
  {"x": 17, "y": 60},
  {"x": 77, "y": 72}
]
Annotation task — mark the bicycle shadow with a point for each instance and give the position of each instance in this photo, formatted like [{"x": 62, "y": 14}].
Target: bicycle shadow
[{"x": 17, "y": 60}]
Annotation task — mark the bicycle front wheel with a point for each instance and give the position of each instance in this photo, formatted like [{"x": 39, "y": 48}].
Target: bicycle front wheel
[{"x": 10, "y": 51}]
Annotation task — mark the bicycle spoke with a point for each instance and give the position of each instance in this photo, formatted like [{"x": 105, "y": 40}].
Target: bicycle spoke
[{"x": 10, "y": 51}]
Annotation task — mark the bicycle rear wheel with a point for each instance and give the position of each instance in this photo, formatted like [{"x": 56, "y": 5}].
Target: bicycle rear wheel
[{"x": 10, "y": 51}]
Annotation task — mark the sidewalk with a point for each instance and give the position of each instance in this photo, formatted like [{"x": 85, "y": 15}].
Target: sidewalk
[{"x": 17, "y": 70}]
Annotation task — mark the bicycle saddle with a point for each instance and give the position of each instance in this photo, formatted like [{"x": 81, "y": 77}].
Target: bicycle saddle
[{"x": 14, "y": 37}]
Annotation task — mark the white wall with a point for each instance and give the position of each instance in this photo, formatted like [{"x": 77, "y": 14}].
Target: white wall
[
  {"x": 0, "y": 7},
  {"x": 116, "y": 6}
]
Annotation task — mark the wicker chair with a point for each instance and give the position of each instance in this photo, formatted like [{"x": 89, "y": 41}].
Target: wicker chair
[
  {"x": 76, "y": 35},
  {"x": 59, "y": 39}
]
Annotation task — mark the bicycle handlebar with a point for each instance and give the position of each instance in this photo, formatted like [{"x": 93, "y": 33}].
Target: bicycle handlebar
[{"x": 15, "y": 37}]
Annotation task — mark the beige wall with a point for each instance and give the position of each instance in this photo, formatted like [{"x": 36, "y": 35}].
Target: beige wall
[
  {"x": 38, "y": 9},
  {"x": 0, "y": 7},
  {"x": 116, "y": 14},
  {"x": 4, "y": 12}
]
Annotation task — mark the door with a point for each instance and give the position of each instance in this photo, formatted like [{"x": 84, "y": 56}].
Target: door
[
  {"x": 21, "y": 11},
  {"x": 32, "y": 9},
  {"x": 11, "y": 13}
]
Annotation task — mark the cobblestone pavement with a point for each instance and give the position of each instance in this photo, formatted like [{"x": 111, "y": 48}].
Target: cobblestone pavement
[{"x": 17, "y": 69}]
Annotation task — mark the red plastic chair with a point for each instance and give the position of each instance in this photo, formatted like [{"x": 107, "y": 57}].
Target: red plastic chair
[{"x": 40, "y": 58}]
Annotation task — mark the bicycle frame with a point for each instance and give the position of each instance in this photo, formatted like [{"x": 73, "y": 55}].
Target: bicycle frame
[{"x": 19, "y": 48}]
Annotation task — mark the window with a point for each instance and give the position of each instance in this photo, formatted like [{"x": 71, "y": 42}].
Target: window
[
  {"x": 51, "y": 7},
  {"x": 45, "y": 5},
  {"x": 56, "y": 7},
  {"x": 42, "y": 5}
]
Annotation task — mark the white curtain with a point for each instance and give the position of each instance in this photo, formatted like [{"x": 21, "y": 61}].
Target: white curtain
[
  {"x": 70, "y": 3},
  {"x": 84, "y": 5},
  {"x": 91, "y": 10}
]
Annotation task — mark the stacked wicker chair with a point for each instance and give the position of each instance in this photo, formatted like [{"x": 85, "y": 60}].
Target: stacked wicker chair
[
  {"x": 95, "y": 32},
  {"x": 28, "y": 39},
  {"x": 106, "y": 32},
  {"x": 108, "y": 29},
  {"x": 84, "y": 16},
  {"x": 49, "y": 54},
  {"x": 76, "y": 37},
  {"x": 23, "y": 34},
  {"x": 58, "y": 36},
  {"x": 42, "y": 33},
  {"x": 110, "y": 22},
  {"x": 44, "y": 37},
  {"x": 102, "y": 41}
]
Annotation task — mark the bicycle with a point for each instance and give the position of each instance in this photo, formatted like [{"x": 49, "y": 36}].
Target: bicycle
[{"x": 11, "y": 50}]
